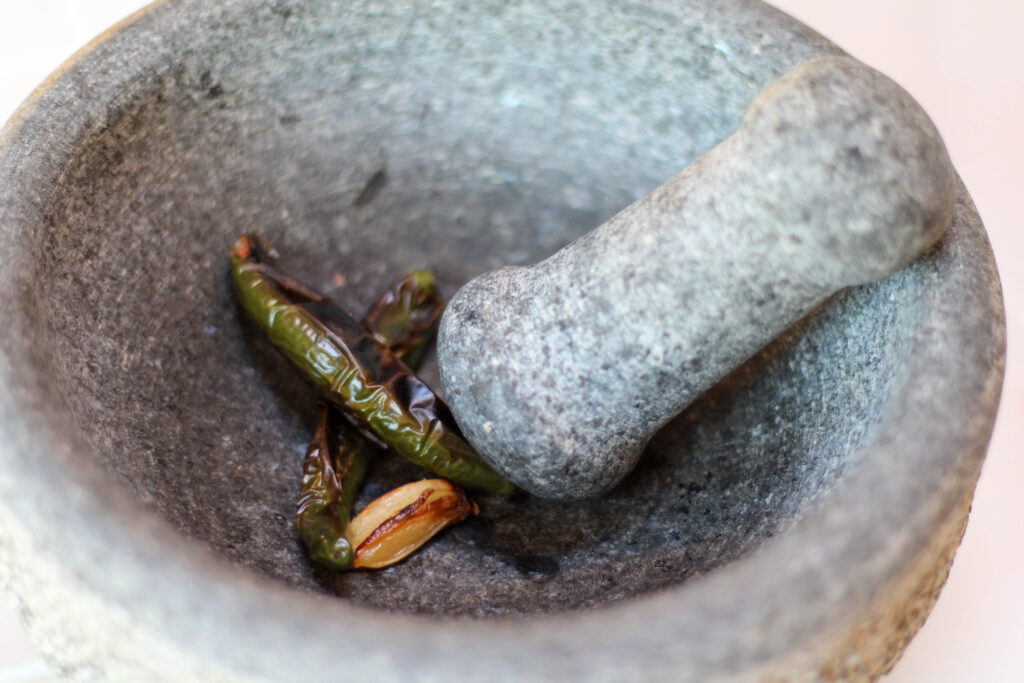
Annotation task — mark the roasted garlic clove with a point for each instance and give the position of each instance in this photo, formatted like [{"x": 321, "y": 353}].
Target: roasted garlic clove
[{"x": 403, "y": 519}]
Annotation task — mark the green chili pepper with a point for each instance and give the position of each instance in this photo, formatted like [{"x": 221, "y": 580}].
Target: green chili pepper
[
  {"x": 405, "y": 320},
  {"x": 355, "y": 371},
  {"x": 332, "y": 474}
]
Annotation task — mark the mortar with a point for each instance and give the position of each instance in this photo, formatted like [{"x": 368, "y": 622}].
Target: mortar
[{"x": 797, "y": 521}]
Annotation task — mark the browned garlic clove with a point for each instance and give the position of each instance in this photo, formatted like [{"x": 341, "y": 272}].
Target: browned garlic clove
[{"x": 403, "y": 519}]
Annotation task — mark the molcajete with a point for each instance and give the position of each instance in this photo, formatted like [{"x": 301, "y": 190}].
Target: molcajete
[{"x": 797, "y": 521}]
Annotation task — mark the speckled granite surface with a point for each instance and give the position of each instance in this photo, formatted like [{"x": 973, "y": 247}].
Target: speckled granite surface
[
  {"x": 167, "y": 426},
  {"x": 560, "y": 373}
]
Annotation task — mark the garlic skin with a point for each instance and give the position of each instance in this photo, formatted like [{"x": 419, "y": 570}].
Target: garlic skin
[{"x": 403, "y": 519}]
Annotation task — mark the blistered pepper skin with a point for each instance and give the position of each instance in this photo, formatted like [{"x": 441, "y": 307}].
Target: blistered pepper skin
[
  {"x": 355, "y": 371},
  {"x": 404, "y": 320},
  {"x": 332, "y": 474}
]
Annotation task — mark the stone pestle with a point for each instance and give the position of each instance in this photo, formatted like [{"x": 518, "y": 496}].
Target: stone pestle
[{"x": 559, "y": 373}]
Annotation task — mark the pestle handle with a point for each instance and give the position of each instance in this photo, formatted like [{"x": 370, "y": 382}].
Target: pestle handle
[{"x": 560, "y": 373}]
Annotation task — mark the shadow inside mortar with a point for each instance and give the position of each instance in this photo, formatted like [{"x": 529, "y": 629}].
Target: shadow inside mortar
[{"x": 740, "y": 465}]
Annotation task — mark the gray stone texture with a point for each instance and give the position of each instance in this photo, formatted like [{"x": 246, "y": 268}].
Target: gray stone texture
[
  {"x": 797, "y": 520},
  {"x": 560, "y": 373}
]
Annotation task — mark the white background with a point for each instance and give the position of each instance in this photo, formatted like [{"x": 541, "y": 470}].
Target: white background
[{"x": 963, "y": 61}]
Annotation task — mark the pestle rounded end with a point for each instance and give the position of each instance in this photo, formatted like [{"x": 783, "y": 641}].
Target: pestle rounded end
[{"x": 846, "y": 158}]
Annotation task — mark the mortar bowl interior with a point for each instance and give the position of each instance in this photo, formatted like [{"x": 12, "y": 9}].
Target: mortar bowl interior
[{"x": 363, "y": 141}]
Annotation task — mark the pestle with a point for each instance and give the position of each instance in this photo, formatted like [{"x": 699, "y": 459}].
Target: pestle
[{"x": 559, "y": 373}]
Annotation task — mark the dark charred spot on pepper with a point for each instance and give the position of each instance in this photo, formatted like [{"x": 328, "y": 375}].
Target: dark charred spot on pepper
[
  {"x": 405, "y": 318},
  {"x": 297, "y": 290},
  {"x": 253, "y": 249},
  {"x": 369, "y": 353}
]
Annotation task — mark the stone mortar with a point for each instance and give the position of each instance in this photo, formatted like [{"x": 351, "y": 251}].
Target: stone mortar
[{"x": 796, "y": 522}]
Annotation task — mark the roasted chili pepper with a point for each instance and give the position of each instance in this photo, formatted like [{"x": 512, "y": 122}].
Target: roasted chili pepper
[
  {"x": 405, "y": 320},
  {"x": 332, "y": 474},
  {"x": 355, "y": 371}
]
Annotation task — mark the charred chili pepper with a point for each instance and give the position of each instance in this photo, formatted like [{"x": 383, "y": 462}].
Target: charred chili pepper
[
  {"x": 332, "y": 474},
  {"x": 405, "y": 320},
  {"x": 355, "y": 371}
]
